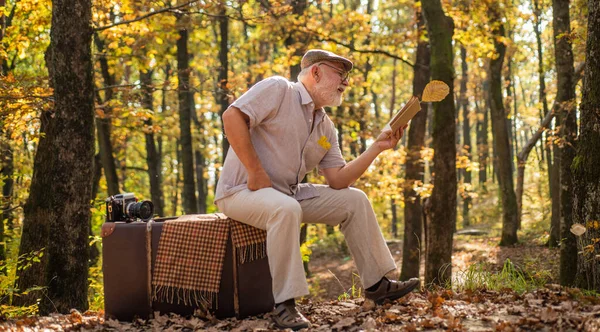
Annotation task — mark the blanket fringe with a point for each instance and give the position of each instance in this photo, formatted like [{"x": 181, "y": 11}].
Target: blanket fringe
[
  {"x": 189, "y": 297},
  {"x": 251, "y": 252}
]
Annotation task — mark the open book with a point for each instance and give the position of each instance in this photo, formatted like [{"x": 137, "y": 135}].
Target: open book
[{"x": 401, "y": 118}]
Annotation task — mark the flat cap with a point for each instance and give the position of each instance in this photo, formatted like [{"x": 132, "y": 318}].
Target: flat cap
[{"x": 316, "y": 55}]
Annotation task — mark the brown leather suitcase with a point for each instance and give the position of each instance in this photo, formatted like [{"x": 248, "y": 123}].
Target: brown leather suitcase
[{"x": 245, "y": 289}]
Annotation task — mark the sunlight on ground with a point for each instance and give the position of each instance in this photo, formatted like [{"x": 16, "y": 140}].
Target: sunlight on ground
[{"x": 333, "y": 274}]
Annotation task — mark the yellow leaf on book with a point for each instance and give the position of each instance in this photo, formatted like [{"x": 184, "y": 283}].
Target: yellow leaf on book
[{"x": 435, "y": 91}]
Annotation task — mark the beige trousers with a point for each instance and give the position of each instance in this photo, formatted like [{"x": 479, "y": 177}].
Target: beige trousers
[{"x": 281, "y": 215}]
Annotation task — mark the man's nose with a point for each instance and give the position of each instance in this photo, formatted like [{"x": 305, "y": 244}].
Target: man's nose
[{"x": 346, "y": 81}]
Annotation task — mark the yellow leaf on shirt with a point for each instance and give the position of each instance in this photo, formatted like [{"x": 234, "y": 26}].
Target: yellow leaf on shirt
[{"x": 324, "y": 143}]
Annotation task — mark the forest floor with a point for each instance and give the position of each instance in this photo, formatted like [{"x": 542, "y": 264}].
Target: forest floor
[{"x": 335, "y": 304}]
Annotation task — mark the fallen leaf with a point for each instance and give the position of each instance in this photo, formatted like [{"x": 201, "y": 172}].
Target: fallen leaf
[
  {"x": 369, "y": 324},
  {"x": 368, "y": 305},
  {"x": 345, "y": 322}
]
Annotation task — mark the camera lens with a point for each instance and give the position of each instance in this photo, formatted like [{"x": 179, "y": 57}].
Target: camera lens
[{"x": 143, "y": 210}]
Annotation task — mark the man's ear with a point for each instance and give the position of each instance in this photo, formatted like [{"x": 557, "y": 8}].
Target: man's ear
[{"x": 316, "y": 73}]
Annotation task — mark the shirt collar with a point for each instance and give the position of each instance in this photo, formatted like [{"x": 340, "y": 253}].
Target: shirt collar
[{"x": 306, "y": 99}]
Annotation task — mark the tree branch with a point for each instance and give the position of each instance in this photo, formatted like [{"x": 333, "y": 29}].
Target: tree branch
[
  {"x": 140, "y": 169},
  {"x": 9, "y": 19},
  {"x": 354, "y": 49},
  {"x": 26, "y": 97},
  {"x": 116, "y": 86},
  {"x": 143, "y": 17},
  {"x": 556, "y": 109},
  {"x": 522, "y": 156},
  {"x": 8, "y": 209}
]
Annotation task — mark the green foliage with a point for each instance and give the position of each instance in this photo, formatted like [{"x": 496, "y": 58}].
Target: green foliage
[
  {"x": 315, "y": 288},
  {"x": 96, "y": 287},
  {"x": 355, "y": 291},
  {"x": 305, "y": 249},
  {"x": 8, "y": 291},
  {"x": 332, "y": 244},
  {"x": 480, "y": 276}
]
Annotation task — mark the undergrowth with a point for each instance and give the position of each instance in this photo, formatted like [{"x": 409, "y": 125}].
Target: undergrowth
[
  {"x": 8, "y": 287},
  {"x": 481, "y": 276}
]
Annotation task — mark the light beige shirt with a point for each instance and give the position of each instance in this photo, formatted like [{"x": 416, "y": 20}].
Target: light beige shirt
[{"x": 281, "y": 118}]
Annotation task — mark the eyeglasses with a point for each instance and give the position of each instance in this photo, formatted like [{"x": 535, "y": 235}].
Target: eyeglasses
[{"x": 343, "y": 74}]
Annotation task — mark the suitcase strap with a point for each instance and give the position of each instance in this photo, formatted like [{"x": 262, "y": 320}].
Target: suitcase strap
[{"x": 149, "y": 260}]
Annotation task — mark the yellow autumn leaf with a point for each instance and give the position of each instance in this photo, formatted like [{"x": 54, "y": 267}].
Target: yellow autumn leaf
[
  {"x": 435, "y": 91},
  {"x": 129, "y": 41},
  {"x": 113, "y": 45},
  {"x": 324, "y": 143}
]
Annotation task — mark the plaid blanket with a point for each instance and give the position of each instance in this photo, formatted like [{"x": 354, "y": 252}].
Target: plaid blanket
[{"x": 190, "y": 257}]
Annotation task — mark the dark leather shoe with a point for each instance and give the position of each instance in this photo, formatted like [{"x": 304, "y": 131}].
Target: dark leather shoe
[
  {"x": 286, "y": 316},
  {"x": 391, "y": 290}
]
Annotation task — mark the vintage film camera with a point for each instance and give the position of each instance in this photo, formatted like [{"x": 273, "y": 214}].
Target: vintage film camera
[{"x": 125, "y": 207}]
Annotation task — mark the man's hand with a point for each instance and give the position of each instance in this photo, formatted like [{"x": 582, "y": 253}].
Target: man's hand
[
  {"x": 258, "y": 180},
  {"x": 387, "y": 140}
]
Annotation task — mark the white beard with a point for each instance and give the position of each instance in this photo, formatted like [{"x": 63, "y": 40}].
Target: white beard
[{"x": 326, "y": 91}]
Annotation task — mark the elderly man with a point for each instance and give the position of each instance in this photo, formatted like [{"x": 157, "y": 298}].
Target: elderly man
[{"x": 278, "y": 132}]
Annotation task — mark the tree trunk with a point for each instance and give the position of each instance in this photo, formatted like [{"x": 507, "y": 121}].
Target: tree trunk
[
  {"x": 57, "y": 211},
  {"x": 566, "y": 97},
  {"x": 557, "y": 108},
  {"x": 177, "y": 180},
  {"x": 153, "y": 158},
  {"x": 438, "y": 267},
  {"x": 185, "y": 118},
  {"x": 413, "y": 211},
  {"x": 103, "y": 123},
  {"x": 586, "y": 187},
  {"x": 294, "y": 40},
  {"x": 482, "y": 135},
  {"x": 97, "y": 175},
  {"x": 6, "y": 156},
  {"x": 298, "y": 8},
  {"x": 393, "y": 206},
  {"x": 201, "y": 181},
  {"x": 7, "y": 170},
  {"x": 501, "y": 141},
  {"x": 5, "y": 22},
  {"x": 522, "y": 161},
  {"x": 223, "y": 91},
  {"x": 464, "y": 104},
  {"x": 551, "y": 149},
  {"x": 510, "y": 101}
]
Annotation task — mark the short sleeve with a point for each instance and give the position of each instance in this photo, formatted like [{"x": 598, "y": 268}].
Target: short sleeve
[
  {"x": 263, "y": 99},
  {"x": 333, "y": 158}
]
